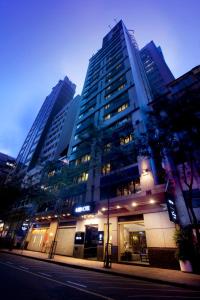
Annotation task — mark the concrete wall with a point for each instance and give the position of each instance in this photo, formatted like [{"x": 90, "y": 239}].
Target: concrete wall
[{"x": 159, "y": 230}]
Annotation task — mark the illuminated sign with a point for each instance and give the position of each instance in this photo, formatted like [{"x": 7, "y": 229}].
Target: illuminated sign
[
  {"x": 80, "y": 209},
  {"x": 172, "y": 208},
  {"x": 24, "y": 226},
  {"x": 84, "y": 209}
]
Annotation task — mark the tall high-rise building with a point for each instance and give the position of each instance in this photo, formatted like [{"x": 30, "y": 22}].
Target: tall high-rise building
[
  {"x": 157, "y": 71},
  {"x": 50, "y": 134},
  {"x": 115, "y": 94}
]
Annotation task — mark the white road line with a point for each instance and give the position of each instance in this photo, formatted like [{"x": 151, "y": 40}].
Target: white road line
[
  {"x": 152, "y": 289},
  {"x": 60, "y": 282},
  {"x": 82, "y": 285},
  {"x": 24, "y": 267},
  {"x": 45, "y": 274},
  {"x": 155, "y": 296}
]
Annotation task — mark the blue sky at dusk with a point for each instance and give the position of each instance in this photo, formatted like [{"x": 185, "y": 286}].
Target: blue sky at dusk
[{"x": 41, "y": 41}]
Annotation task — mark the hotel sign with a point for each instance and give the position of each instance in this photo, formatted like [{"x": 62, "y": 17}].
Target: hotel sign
[
  {"x": 84, "y": 209},
  {"x": 172, "y": 208}
]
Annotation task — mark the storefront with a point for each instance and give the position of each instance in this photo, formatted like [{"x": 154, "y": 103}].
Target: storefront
[
  {"x": 132, "y": 242},
  {"x": 65, "y": 240},
  {"x": 39, "y": 240}
]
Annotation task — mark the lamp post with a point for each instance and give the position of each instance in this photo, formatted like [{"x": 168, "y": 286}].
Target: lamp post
[{"x": 108, "y": 248}]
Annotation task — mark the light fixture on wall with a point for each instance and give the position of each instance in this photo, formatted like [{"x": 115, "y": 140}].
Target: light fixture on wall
[
  {"x": 134, "y": 204},
  {"x": 103, "y": 209},
  {"x": 118, "y": 206},
  {"x": 145, "y": 171},
  {"x": 152, "y": 201}
]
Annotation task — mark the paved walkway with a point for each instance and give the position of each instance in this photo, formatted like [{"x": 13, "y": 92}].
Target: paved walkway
[{"x": 147, "y": 273}]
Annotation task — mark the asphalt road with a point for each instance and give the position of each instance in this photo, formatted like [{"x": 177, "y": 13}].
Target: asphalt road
[{"x": 24, "y": 278}]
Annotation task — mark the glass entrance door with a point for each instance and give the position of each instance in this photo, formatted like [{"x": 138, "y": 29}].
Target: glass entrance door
[
  {"x": 91, "y": 241},
  {"x": 133, "y": 244}
]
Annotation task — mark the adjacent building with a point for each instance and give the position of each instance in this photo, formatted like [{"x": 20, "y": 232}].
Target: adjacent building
[
  {"x": 7, "y": 164},
  {"x": 156, "y": 69},
  {"x": 49, "y": 136}
]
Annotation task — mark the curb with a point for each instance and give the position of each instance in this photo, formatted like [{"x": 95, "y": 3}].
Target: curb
[{"x": 154, "y": 280}]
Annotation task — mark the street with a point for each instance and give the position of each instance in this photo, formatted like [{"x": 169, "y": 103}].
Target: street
[{"x": 24, "y": 278}]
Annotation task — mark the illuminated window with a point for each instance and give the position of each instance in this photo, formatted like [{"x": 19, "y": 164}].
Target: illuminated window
[
  {"x": 106, "y": 169},
  {"x": 77, "y": 162},
  {"x": 74, "y": 148},
  {"x": 123, "y": 107},
  {"x": 76, "y": 137},
  {"x": 125, "y": 140},
  {"x": 107, "y": 147},
  {"x": 108, "y": 96},
  {"x": 107, "y": 106},
  {"x": 108, "y": 88},
  {"x": 52, "y": 173},
  {"x": 85, "y": 158},
  {"x": 83, "y": 177},
  {"x": 118, "y": 66},
  {"x": 121, "y": 87},
  {"x": 107, "y": 117},
  {"x": 79, "y": 125}
]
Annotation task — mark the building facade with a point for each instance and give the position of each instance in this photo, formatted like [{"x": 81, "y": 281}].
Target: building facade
[
  {"x": 157, "y": 71},
  {"x": 115, "y": 93},
  {"x": 50, "y": 133},
  {"x": 7, "y": 164},
  {"x": 56, "y": 143}
]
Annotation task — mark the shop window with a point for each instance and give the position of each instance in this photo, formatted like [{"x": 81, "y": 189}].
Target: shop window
[{"x": 133, "y": 244}]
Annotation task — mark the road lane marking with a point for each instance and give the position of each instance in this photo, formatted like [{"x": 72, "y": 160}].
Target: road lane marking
[
  {"x": 60, "y": 282},
  {"x": 160, "y": 296},
  {"x": 45, "y": 274},
  {"x": 82, "y": 285},
  {"x": 152, "y": 289},
  {"x": 25, "y": 268}
]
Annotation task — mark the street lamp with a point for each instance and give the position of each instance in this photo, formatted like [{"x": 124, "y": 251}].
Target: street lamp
[{"x": 108, "y": 248}]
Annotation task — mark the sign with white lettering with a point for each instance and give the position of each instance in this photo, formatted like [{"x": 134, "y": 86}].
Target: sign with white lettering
[
  {"x": 86, "y": 208},
  {"x": 81, "y": 209},
  {"x": 171, "y": 208}
]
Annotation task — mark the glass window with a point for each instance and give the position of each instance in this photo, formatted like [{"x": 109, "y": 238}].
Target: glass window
[
  {"x": 125, "y": 140},
  {"x": 106, "y": 169},
  {"x": 123, "y": 107},
  {"x": 83, "y": 177},
  {"x": 107, "y": 106},
  {"x": 107, "y": 117}
]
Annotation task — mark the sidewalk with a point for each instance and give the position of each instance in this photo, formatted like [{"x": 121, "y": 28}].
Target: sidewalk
[{"x": 158, "y": 275}]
